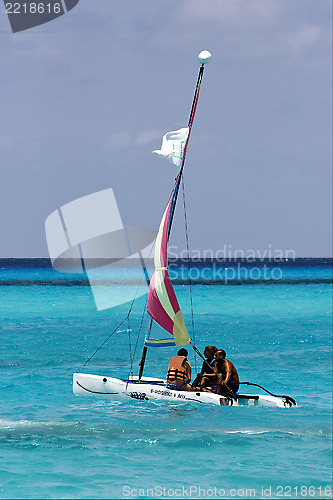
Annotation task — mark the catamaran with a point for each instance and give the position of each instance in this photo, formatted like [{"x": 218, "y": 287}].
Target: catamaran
[{"x": 163, "y": 308}]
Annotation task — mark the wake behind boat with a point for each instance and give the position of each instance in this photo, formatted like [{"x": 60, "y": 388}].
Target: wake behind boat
[{"x": 163, "y": 309}]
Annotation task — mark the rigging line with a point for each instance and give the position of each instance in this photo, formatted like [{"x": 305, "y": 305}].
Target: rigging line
[
  {"x": 144, "y": 351},
  {"x": 190, "y": 124},
  {"x": 126, "y": 317},
  {"x": 144, "y": 271},
  {"x": 189, "y": 267},
  {"x": 112, "y": 333},
  {"x": 105, "y": 341},
  {"x": 137, "y": 341},
  {"x": 129, "y": 338},
  {"x": 196, "y": 96},
  {"x": 288, "y": 398}
]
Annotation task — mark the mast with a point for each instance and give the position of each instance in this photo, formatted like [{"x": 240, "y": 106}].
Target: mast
[
  {"x": 190, "y": 123},
  {"x": 144, "y": 352},
  {"x": 204, "y": 57}
]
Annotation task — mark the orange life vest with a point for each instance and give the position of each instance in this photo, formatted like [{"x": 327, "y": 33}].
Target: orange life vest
[{"x": 176, "y": 370}]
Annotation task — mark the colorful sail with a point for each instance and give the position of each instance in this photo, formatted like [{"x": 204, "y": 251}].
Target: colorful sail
[{"x": 162, "y": 302}]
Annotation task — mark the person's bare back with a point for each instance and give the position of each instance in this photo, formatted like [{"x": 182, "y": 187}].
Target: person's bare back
[{"x": 225, "y": 376}]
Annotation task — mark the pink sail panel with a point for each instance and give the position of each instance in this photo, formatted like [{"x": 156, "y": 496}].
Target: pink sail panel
[{"x": 162, "y": 304}]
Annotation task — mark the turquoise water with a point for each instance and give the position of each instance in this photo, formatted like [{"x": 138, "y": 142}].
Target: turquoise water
[{"x": 55, "y": 445}]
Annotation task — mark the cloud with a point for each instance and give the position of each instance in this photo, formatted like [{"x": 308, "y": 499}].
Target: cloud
[
  {"x": 117, "y": 141},
  {"x": 38, "y": 44},
  {"x": 245, "y": 29},
  {"x": 147, "y": 136},
  {"x": 5, "y": 142},
  {"x": 305, "y": 38},
  {"x": 231, "y": 13}
]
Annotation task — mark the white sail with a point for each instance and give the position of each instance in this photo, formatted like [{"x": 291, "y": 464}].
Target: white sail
[{"x": 173, "y": 144}]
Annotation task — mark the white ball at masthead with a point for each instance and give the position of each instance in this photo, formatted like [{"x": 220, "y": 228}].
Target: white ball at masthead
[{"x": 204, "y": 56}]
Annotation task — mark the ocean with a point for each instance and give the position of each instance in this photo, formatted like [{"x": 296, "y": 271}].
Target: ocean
[{"x": 277, "y": 330}]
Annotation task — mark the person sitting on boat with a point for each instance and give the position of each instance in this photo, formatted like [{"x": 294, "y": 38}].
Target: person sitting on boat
[
  {"x": 179, "y": 372},
  {"x": 225, "y": 377},
  {"x": 207, "y": 365}
]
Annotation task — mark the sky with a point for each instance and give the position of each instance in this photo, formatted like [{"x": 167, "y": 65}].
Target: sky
[{"x": 87, "y": 97}]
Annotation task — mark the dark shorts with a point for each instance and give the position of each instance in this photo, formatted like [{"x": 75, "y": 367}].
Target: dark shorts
[
  {"x": 174, "y": 387},
  {"x": 233, "y": 386}
]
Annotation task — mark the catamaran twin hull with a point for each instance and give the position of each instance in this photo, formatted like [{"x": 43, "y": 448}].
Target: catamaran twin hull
[{"x": 115, "y": 389}]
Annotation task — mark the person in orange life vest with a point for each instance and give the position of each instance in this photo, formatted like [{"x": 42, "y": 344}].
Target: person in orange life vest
[
  {"x": 225, "y": 376},
  {"x": 179, "y": 372}
]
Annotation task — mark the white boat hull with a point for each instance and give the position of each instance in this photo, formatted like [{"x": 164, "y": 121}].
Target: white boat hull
[{"x": 148, "y": 388}]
